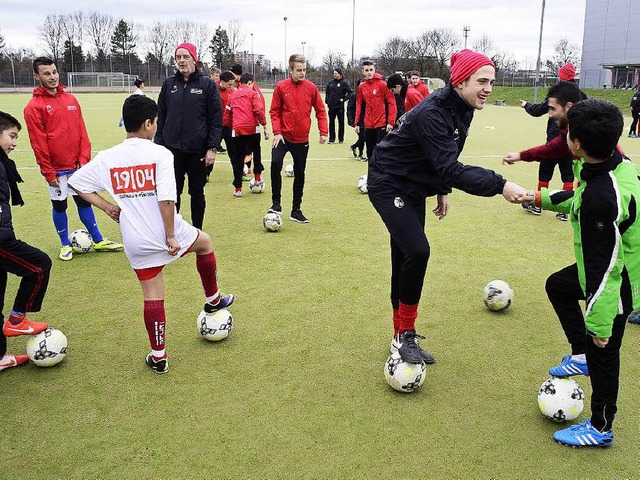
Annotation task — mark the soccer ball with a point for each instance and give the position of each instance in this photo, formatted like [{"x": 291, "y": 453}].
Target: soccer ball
[
  {"x": 362, "y": 184},
  {"x": 497, "y": 295},
  {"x": 560, "y": 399},
  {"x": 47, "y": 348},
  {"x": 256, "y": 187},
  {"x": 288, "y": 170},
  {"x": 272, "y": 222},
  {"x": 81, "y": 241},
  {"x": 402, "y": 376},
  {"x": 215, "y": 326}
]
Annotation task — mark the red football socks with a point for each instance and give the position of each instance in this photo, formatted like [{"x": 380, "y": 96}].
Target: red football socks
[
  {"x": 206, "y": 265},
  {"x": 154, "y": 321},
  {"x": 408, "y": 315},
  {"x": 396, "y": 321}
]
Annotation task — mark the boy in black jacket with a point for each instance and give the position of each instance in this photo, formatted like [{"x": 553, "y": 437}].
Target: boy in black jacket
[
  {"x": 351, "y": 117},
  {"x": 16, "y": 256}
]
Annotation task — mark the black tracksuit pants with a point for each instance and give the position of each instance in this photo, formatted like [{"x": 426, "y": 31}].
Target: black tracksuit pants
[
  {"x": 241, "y": 144},
  {"x": 564, "y": 292},
  {"x": 635, "y": 114},
  {"x": 34, "y": 267},
  {"x": 336, "y": 114},
  {"x": 372, "y": 137},
  {"x": 404, "y": 217},
  {"x": 193, "y": 166},
  {"x": 565, "y": 165},
  {"x": 299, "y": 152}
]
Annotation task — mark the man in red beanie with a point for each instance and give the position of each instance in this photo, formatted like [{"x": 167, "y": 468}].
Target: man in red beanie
[
  {"x": 545, "y": 170},
  {"x": 419, "y": 159},
  {"x": 190, "y": 125}
]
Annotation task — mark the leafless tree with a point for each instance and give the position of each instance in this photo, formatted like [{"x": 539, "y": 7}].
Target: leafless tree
[
  {"x": 99, "y": 28},
  {"x": 52, "y": 34},
  {"x": 200, "y": 36},
  {"x": 73, "y": 29},
  {"x": 333, "y": 59},
  {"x": 420, "y": 52},
  {"x": 485, "y": 45},
  {"x": 394, "y": 54},
  {"x": 563, "y": 52},
  {"x": 236, "y": 35},
  {"x": 443, "y": 42},
  {"x": 2, "y": 43}
]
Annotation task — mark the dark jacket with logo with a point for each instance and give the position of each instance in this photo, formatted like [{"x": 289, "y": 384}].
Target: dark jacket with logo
[
  {"x": 8, "y": 194},
  {"x": 189, "y": 113},
  {"x": 338, "y": 92},
  {"x": 635, "y": 102},
  {"x": 420, "y": 155}
]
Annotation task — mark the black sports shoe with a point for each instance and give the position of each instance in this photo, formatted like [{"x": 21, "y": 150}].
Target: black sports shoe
[
  {"x": 353, "y": 150},
  {"x": 223, "y": 302},
  {"x": 409, "y": 349},
  {"x": 297, "y": 216},
  {"x": 159, "y": 366},
  {"x": 223, "y": 151},
  {"x": 562, "y": 216},
  {"x": 275, "y": 208}
]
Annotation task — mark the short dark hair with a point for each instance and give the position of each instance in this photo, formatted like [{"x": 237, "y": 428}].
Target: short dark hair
[
  {"x": 7, "y": 121},
  {"x": 565, "y": 92},
  {"x": 597, "y": 124},
  {"x": 136, "y": 110},
  {"x": 367, "y": 62},
  {"x": 138, "y": 82},
  {"x": 394, "y": 80},
  {"x": 236, "y": 68},
  {"x": 246, "y": 78},
  {"x": 227, "y": 76},
  {"x": 41, "y": 61}
]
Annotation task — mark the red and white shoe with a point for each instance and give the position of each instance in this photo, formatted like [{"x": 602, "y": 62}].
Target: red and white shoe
[
  {"x": 25, "y": 327},
  {"x": 9, "y": 361}
]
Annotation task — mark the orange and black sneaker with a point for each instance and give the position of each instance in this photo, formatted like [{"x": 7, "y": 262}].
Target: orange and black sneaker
[
  {"x": 9, "y": 361},
  {"x": 25, "y": 327}
]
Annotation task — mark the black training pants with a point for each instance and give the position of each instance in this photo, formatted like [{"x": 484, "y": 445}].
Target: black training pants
[
  {"x": 193, "y": 165},
  {"x": 240, "y": 145},
  {"x": 372, "y": 137},
  {"x": 404, "y": 217},
  {"x": 635, "y": 114},
  {"x": 564, "y": 292},
  {"x": 299, "y": 152},
  {"x": 546, "y": 168},
  {"x": 336, "y": 113},
  {"x": 34, "y": 266}
]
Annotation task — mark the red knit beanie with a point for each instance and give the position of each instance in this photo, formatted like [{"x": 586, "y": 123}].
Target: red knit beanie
[
  {"x": 189, "y": 47},
  {"x": 465, "y": 63},
  {"x": 567, "y": 72}
]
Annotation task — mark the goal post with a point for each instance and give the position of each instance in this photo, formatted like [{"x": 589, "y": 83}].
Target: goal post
[{"x": 100, "y": 82}]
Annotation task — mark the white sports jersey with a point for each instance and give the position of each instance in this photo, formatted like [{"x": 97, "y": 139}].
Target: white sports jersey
[{"x": 138, "y": 174}]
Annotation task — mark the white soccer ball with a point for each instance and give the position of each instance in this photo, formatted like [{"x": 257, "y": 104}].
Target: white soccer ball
[
  {"x": 288, "y": 170},
  {"x": 81, "y": 241},
  {"x": 560, "y": 399},
  {"x": 402, "y": 376},
  {"x": 215, "y": 326},
  {"x": 497, "y": 295},
  {"x": 272, "y": 222},
  {"x": 256, "y": 187},
  {"x": 362, "y": 184},
  {"x": 47, "y": 348}
]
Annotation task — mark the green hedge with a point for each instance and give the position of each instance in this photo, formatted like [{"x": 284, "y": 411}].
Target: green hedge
[{"x": 513, "y": 95}]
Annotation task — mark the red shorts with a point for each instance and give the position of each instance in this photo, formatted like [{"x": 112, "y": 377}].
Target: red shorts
[{"x": 149, "y": 273}]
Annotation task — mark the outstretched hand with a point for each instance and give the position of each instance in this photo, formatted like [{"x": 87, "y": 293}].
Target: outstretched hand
[
  {"x": 442, "y": 208},
  {"x": 511, "y": 158},
  {"x": 514, "y": 193}
]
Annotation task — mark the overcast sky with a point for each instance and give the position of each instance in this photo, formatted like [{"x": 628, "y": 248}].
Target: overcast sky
[{"x": 514, "y": 25}]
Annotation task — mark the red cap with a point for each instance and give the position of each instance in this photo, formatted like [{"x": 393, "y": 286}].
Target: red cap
[
  {"x": 567, "y": 72},
  {"x": 190, "y": 47},
  {"x": 465, "y": 63}
]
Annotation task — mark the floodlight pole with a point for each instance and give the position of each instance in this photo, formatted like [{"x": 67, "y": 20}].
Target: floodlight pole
[
  {"x": 303, "y": 44},
  {"x": 465, "y": 32},
  {"x": 285, "y": 45},
  {"x": 535, "y": 87},
  {"x": 253, "y": 60},
  {"x": 353, "y": 34}
]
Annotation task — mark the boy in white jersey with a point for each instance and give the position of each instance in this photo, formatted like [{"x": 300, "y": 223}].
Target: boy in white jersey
[{"x": 139, "y": 175}]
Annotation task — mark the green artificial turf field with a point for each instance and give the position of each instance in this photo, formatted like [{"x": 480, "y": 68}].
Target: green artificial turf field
[{"x": 297, "y": 390}]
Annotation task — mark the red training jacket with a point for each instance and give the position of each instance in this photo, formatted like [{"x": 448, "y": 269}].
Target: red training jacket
[
  {"x": 412, "y": 98},
  {"x": 57, "y": 131},
  {"x": 423, "y": 89},
  {"x": 378, "y": 98},
  {"x": 244, "y": 111},
  {"x": 291, "y": 110},
  {"x": 225, "y": 93},
  {"x": 554, "y": 149}
]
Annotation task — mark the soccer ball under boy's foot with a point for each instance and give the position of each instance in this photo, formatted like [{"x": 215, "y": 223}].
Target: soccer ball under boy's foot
[
  {"x": 47, "y": 348},
  {"x": 403, "y": 376},
  {"x": 81, "y": 241},
  {"x": 272, "y": 222},
  {"x": 215, "y": 326},
  {"x": 256, "y": 186},
  {"x": 560, "y": 399}
]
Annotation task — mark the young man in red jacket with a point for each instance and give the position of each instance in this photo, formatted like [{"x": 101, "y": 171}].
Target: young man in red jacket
[
  {"x": 415, "y": 82},
  {"x": 381, "y": 111},
  {"x": 291, "y": 121},
  {"x": 245, "y": 113},
  {"x": 226, "y": 81},
  {"x": 61, "y": 146}
]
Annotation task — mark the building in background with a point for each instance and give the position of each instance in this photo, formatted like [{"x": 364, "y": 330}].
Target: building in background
[{"x": 611, "y": 44}]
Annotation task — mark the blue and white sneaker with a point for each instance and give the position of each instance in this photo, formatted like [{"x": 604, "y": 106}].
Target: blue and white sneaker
[
  {"x": 224, "y": 302},
  {"x": 569, "y": 367},
  {"x": 584, "y": 435},
  {"x": 634, "y": 317}
]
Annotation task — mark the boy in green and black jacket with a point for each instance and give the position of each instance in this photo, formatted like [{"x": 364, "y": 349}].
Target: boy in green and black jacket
[{"x": 604, "y": 215}]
